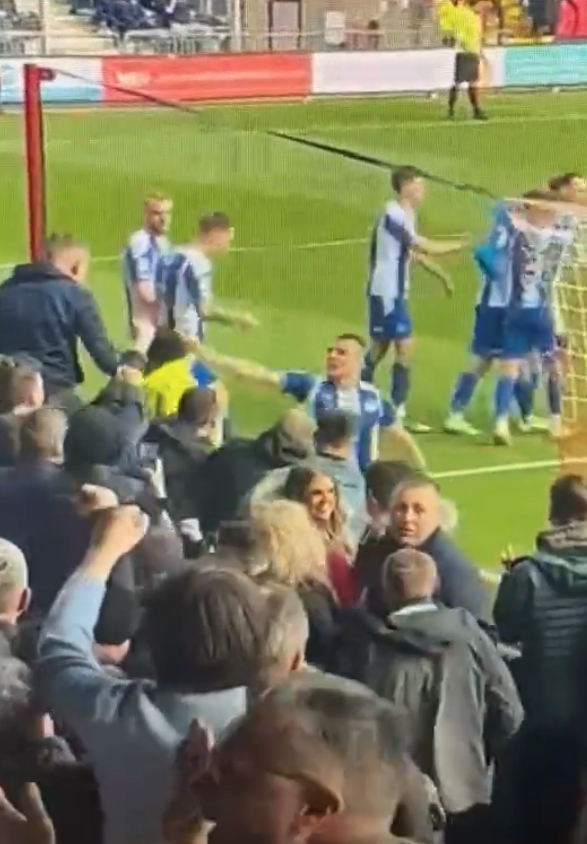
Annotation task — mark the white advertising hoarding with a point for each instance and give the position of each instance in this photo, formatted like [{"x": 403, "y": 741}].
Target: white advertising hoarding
[{"x": 393, "y": 72}]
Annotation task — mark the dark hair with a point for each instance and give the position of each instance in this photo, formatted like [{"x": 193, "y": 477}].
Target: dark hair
[
  {"x": 535, "y": 194},
  {"x": 197, "y": 406},
  {"x": 333, "y": 428},
  {"x": 568, "y": 500},
  {"x": 355, "y": 338},
  {"x": 559, "y": 182},
  {"x": 218, "y": 220},
  {"x": 402, "y": 176},
  {"x": 206, "y": 630},
  {"x": 167, "y": 346},
  {"x": 382, "y": 478},
  {"x": 297, "y": 482}
]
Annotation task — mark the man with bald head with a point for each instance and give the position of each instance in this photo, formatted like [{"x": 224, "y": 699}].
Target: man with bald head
[
  {"x": 45, "y": 309},
  {"x": 438, "y": 666}
]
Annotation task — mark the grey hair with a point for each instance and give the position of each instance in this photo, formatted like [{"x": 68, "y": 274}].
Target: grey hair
[
  {"x": 43, "y": 434},
  {"x": 288, "y": 628}
]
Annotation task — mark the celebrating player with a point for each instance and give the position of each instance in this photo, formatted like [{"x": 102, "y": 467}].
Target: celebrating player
[
  {"x": 339, "y": 389},
  {"x": 529, "y": 328},
  {"x": 394, "y": 243},
  {"x": 142, "y": 257},
  {"x": 186, "y": 298},
  {"x": 493, "y": 258}
]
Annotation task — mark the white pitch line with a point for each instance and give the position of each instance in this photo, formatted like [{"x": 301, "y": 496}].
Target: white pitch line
[{"x": 506, "y": 467}]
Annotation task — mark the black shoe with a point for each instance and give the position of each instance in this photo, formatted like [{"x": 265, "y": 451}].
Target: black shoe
[{"x": 480, "y": 115}]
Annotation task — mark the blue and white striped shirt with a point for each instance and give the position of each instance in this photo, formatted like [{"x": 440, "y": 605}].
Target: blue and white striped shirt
[
  {"x": 141, "y": 261},
  {"x": 390, "y": 254},
  {"x": 363, "y": 403},
  {"x": 187, "y": 284}
]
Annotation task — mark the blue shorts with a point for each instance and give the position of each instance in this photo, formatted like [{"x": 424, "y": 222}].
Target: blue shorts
[
  {"x": 203, "y": 376},
  {"x": 528, "y": 330},
  {"x": 395, "y": 325},
  {"x": 488, "y": 331}
]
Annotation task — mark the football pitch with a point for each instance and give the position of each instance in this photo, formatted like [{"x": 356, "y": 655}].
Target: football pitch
[{"x": 302, "y": 220}]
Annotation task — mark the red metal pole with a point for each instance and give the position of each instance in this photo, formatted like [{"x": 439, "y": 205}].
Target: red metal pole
[{"x": 33, "y": 76}]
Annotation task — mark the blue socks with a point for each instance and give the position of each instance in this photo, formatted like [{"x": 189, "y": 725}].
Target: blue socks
[
  {"x": 554, "y": 393},
  {"x": 463, "y": 391},
  {"x": 524, "y": 395},
  {"x": 503, "y": 396},
  {"x": 400, "y": 384}
]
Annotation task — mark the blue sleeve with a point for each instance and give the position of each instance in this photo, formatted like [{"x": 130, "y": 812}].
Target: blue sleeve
[
  {"x": 297, "y": 384},
  {"x": 397, "y": 231},
  {"x": 488, "y": 260},
  {"x": 387, "y": 417},
  {"x": 69, "y": 680}
]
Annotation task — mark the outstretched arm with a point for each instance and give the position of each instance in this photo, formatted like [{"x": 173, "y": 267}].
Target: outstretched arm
[
  {"x": 424, "y": 246},
  {"x": 237, "y": 367}
]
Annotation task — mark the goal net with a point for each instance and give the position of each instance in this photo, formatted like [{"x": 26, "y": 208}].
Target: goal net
[{"x": 571, "y": 305}]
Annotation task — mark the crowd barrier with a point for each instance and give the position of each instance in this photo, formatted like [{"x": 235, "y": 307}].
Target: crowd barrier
[{"x": 215, "y": 78}]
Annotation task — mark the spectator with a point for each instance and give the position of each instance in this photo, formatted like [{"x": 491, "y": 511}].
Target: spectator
[
  {"x": 45, "y": 310},
  {"x": 541, "y": 606},
  {"x": 287, "y": 550},
  {"x": 123, "y": 396},
  {"x": 183, "y": 444},
  {"x": 328, "y": 767},
  {"x": 335, "y": 458},
  {"x": 21, "y": 392},
  {"x": 42, "y": 436},
  {"x": 37, "y": 510},
  {"x": 205, "y": 633},
  {"x": 414, "y": 513},
  {"x": 381, "y": 480},
  {"x": 287, "y": 636},
  {"x": 15, "y": 596},
  {"x": 234, "y": 470},
  {"x": 319, "y": 494},
  {"x": 438, "y": 666},
  {"x": 168, "y": 373}
]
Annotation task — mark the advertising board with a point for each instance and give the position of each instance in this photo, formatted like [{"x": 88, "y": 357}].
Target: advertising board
[
  {"x": 76, "y": 81},
  {"x": 130, "y": 79}
]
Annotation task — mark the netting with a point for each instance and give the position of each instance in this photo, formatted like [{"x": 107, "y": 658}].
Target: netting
[{"x": 571, "y": 304}]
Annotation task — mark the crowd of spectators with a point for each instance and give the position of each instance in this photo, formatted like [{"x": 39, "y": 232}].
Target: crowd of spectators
[{"x": 252, "y": 642}]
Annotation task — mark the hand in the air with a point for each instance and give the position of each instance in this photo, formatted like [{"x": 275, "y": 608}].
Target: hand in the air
[{"x": 30, "y": 823}]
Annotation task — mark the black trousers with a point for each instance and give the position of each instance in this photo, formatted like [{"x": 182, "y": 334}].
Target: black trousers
[
  {"x": 467, "y": 68},
  {"x": 63, "y": 398}
]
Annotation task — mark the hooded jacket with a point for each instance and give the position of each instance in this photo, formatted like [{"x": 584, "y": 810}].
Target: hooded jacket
[
  {"x": 232, "y": 472},
  {"x": 44, "y": 313},
  {"x": 443, "y": 671},
  {"x": 541, "y": 606}
]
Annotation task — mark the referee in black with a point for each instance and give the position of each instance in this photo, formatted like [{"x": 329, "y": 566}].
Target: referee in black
[{"x": 467, "y": 31}]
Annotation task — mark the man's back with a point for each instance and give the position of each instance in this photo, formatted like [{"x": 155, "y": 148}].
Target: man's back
[
  {"x": 437, "y": 666},
  {"x": 42, "y": 313},
  {"x": 38, "y": 515}
]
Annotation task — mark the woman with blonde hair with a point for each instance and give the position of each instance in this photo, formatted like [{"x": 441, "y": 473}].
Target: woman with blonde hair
[
  {"x": 320, "y": 496},
  {"x": 286, "y": 549}
]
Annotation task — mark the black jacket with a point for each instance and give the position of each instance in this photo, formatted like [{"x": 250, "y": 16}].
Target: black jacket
[
  {"x": 44, "y": 313},
  {"x": 183, "y": 456},
  {"x": 439, "y": 667},
  {"x": 459, "y": 582},
  {"x": 541, "y": 605},
  {"x": 232, "y": 472}
]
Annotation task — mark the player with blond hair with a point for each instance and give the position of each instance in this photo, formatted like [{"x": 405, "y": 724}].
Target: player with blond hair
[{"x": 142, "y": 259}]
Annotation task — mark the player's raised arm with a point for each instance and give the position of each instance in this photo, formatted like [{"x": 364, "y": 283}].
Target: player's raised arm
[{"x": 424, "y": 246}]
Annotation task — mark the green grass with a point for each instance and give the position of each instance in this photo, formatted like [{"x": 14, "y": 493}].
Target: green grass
[{"x": 282, "y": 197}]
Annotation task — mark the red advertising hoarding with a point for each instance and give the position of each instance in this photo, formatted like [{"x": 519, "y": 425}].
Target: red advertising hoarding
[{"x": 217, "y": 77}]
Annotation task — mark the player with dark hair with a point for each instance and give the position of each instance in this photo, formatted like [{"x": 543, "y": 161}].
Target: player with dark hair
[
  {"x": 340, "y": 388},
  {"x": 466, "y": 29},
  {"x": 393, "y": 246}
]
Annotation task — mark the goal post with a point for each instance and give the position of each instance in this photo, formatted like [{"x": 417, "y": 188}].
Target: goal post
[{"x": 34, "y": 145}]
